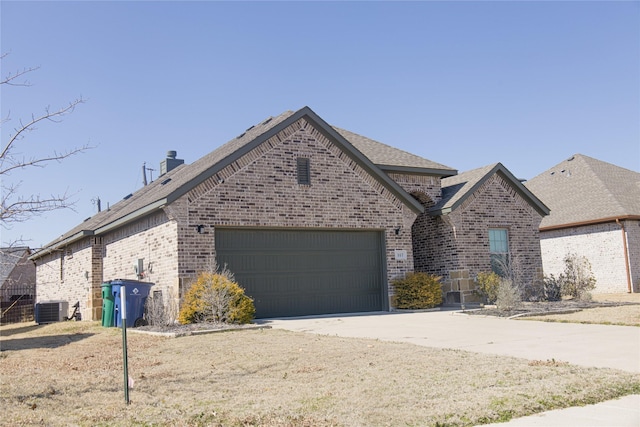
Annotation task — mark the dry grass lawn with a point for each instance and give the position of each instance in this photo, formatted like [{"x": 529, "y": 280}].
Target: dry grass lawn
[
  {"x": 71, "y": 374},
  {"x": 620, "y": 315}
]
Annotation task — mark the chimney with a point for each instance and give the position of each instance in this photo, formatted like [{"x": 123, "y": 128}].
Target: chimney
[{"x": 170, "y": 162}]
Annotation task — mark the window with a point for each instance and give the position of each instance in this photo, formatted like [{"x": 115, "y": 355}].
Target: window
[
  {"x": 499, "y": 250},
  {"x": 304, "y": 171}
]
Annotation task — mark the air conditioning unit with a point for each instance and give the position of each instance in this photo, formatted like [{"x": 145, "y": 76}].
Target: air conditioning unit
[{"x": 51, "y": 311}]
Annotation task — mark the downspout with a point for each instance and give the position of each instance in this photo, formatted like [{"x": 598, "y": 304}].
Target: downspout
[{"x": 626, "y": 255}]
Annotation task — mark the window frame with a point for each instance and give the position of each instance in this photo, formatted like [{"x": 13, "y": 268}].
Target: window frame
[{"x": 499, "y": 250}]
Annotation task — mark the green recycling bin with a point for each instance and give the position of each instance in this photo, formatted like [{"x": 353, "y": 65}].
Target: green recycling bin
[{"x": 107, "y": 305}]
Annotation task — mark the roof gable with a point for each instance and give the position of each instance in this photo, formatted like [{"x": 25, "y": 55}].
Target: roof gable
[
  {"x": 179, "y": 181},
  {"x": 456, "y": 189},
  {"x": 582, "y": 189}
]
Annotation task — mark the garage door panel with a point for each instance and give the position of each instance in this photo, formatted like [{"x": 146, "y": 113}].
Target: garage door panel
[
  {"x": 284, "y": 261},
  {"x": 317, "y": 283},
  {"x": 300, "y": 272}
]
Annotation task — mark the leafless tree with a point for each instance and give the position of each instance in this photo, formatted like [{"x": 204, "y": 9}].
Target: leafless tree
[{"x": 17, "y": 207}]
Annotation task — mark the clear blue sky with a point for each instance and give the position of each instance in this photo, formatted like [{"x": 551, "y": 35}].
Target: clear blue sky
[{"x": 465, "y": 84}]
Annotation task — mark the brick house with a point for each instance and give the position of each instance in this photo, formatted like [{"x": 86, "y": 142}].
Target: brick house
[
  {"x": 483, "y": 216},
  {"x": 595, "y": 213},
  {"x": 311, "y": 219}
]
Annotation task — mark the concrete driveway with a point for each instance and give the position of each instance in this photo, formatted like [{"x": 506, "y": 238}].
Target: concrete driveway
[{"x": 601, "y": 346}]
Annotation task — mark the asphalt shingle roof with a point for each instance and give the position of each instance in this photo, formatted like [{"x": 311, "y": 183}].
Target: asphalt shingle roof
[
  {"x": 173, "y": 184},
  {"x": 583, "y": 189},
  {"x": 455, "y": 189},
  {"x": 385, "y": 155}
]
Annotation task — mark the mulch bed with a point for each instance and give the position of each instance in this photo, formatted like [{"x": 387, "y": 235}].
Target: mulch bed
[{"x": 543, "y": 308}]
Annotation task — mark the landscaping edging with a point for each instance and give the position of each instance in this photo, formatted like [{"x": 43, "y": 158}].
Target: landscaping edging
[{"x": 185, "y": 333}]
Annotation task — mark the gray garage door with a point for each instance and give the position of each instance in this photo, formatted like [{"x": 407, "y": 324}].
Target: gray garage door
[{"x": 297, "y": 273}]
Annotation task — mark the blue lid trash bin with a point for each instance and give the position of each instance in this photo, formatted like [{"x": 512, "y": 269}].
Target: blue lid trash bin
[
  {"x": 107, "y": 305},
  {"x": 136, "y": 297}
]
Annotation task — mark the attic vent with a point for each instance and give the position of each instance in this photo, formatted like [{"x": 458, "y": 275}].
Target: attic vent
[
  {"x": 165, "y": 181},
  {"x": 304, "y": 171},
  {"x": 127, "y": 196}
]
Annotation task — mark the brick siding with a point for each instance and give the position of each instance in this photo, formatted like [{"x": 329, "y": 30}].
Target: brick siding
[
  {"x": 152, "y": 239},
  {"x": 67, "y": 274},
  {"x": 602, "y": 245},
  {"x": 456, "y": 246},
  {"x": 260, "y": 189}
]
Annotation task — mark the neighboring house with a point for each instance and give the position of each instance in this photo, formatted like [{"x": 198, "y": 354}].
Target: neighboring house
[
  {"x": 486, "y": 220},
  {"x": 595, "y": 213},
  {"x": 311, "y": 219},
  {"x": 17, "y": 284}
]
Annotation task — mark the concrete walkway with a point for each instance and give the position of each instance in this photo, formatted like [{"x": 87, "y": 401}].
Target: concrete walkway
[{"x": 602, "y": 346}]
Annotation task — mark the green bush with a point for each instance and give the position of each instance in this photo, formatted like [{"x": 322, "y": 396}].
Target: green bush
[
  {"x": 214, "y": 297},
  {"x": 417, "y": 291},
  {"x": 487, "y": 288}
]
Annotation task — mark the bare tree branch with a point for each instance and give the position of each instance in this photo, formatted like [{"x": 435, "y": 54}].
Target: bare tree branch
[
  {"x": 16, "y": 207},
  {"x": 21, "y": 209},
  {"x": 40, "y": 162},
  {"x": 10, "y": 79},
  {"x": 29, "y": 126}
]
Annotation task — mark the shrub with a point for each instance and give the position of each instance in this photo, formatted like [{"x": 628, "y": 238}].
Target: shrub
[
  {"x": 508, "y": 296},
  {"x": 552, "y": 288},
  {"x": 577, "y": 279},
  {"x": 157, "y": 312},
  {"x": 214, "y": 297},
  {"x": 417, "y": 291},
  {"x": 487, "y": 287}
]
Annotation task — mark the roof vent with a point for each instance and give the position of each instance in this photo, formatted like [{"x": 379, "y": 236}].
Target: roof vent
[
  {"x": 127, "y": 196},
  {"x": 571, "y": 158}
]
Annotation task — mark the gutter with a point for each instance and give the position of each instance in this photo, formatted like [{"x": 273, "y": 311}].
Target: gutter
[
  {"x": 590, "y": 222},
  {"x": 56, "y": 247},
  {"x": 442, "y": 173},
  {"x": 626, "y": 255},
  {"x": 133, "y": 216},
  {"x": 138, "y": 213}
]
